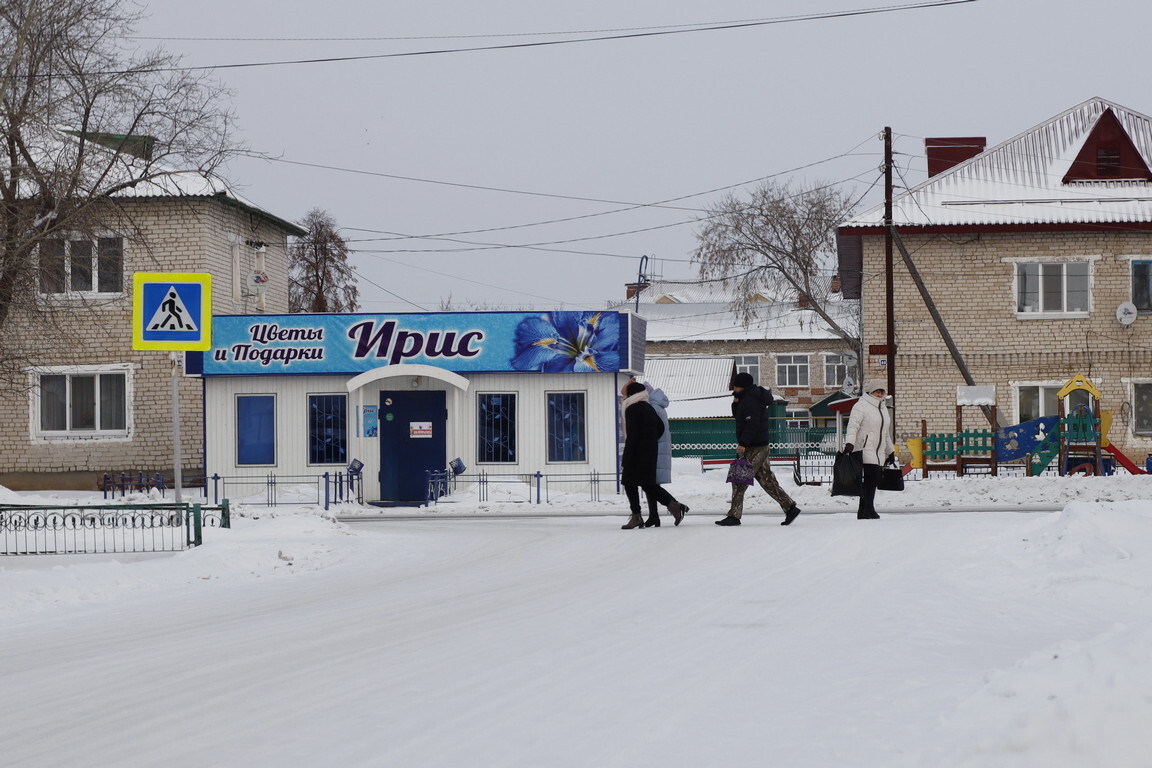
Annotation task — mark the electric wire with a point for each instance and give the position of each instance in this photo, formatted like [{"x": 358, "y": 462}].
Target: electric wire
[{"x": 547, "y": 43}]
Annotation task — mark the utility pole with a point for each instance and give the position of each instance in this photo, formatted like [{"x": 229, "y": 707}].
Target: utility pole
[{"x": 889, "y": 301}]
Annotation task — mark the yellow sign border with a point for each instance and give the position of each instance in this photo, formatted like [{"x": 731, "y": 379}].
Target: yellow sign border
[{"x": 204, "y": 322}]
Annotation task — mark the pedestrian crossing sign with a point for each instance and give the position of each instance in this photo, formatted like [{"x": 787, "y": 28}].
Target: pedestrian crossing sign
[{"x": 172, "y": 311}]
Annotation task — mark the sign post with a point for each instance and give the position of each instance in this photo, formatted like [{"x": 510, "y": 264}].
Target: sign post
[{"x": 172, "y": 311}]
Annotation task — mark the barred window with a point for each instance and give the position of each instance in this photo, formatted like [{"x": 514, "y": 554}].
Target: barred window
[
  {"x": 565, "y": 424},
  {"x": 496, "y": 427},
  {"x": 327, "y": 429}
]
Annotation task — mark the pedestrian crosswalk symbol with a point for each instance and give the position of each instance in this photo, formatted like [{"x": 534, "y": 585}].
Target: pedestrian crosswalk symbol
[
  {"x": 172, "y": 311},
  {"x": 172, "y": 314}
]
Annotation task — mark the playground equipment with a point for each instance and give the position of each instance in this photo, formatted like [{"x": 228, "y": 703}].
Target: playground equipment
[{"x": 1076, "y": 436}]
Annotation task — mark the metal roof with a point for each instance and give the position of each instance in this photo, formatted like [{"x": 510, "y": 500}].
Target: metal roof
[
  {"x": 697, "y": 387},
  {"x": 1020, "y": 181}
]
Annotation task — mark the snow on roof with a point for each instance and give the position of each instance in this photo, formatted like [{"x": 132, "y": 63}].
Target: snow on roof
[
  {"x": 718, "y": 322},
  {"x": 696, "y": 386},
  {"x": 1021, "y": 181},
  {"x": 115, "y": 168}
]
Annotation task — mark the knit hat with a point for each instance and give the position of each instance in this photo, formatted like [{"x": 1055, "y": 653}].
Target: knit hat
[
  {"x": 743, "y": 380},
  {"x": 871, "y": 385}
]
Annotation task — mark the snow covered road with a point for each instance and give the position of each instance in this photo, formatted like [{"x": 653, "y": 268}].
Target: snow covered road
[{"x": 296, "y": 641}]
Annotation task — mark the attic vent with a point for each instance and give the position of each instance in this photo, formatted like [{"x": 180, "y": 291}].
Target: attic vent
[
  {"x": 1108, "y": 153},
  {"x": 1108, "y": 161}
]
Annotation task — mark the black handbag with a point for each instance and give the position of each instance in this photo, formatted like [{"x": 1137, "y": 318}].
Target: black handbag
[
  {"x": 848, "y": 474},
  {"x": 891, "y": 479}
]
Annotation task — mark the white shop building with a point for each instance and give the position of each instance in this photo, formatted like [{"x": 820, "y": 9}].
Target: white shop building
[{"x": 505, "y": 392}]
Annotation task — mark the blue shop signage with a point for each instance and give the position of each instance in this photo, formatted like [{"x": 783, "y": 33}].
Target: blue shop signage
[{"x": 548, "y": 342}]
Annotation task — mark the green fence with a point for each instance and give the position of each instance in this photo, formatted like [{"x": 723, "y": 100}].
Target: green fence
[{"x": 716, "y": 438}]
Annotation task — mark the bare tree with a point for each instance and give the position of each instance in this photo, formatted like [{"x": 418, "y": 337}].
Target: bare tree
[
  {"x": 84, "y": 123},
  {"x": 779, "y": 243},
  {"x": 320, "y": 279}
]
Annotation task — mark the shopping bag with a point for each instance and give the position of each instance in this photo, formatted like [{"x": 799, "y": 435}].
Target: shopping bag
[
  {"x": 891, "y": 479},
  {"x": 848, "y": 474},
  {"x": 740, "y": 471}
]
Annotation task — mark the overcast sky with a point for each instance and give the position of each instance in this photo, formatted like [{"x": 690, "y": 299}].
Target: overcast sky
[{"x": 489, "y": 149}]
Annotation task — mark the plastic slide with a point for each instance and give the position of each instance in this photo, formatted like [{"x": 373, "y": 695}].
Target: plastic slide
[{"x": 1123, "y": 460}]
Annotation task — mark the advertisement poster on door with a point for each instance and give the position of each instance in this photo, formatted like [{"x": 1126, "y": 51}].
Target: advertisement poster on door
[{"x": 420, "y": 429}]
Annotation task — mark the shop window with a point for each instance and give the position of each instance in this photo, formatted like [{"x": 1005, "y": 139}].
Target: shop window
[
  {"x": 79, "y": 267},
  {"x": 255, "y": 430},
  {"x": 1036, "y": 401},
  {"x": 327, "y": 429},
  {"x": 496, "y": 427},
  {"x": 1142, "y": 285},
  {"x": 1142, "y": 408},
  {"x": 748, "y": 364},
  {"x": 1059, "y": 288},
  {"x": 792, "y": 370},
  {"x": 566, "y": 433},
  {"x": 86, "y": 403}
]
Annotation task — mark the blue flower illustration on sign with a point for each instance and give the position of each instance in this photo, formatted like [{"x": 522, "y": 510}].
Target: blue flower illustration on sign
[{"x": 562, "y": 342}]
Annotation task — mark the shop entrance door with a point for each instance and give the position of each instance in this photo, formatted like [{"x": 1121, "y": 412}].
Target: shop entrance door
[{"x": 412, "y": 440}]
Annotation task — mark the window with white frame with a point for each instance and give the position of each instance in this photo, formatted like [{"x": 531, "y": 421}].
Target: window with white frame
[
  {"x": 1034, "y": 401},
  {"x": 1052, "y": 288},
  {"x": 798, "y": 418},
  {"x": 837, "y": 368},
  {"x": 81, "y": 266},
  {"x": 1142, "y": 284},
  {"x": 1142, "y": 408},
  {"x": 748, "y": 364},
  {"x": 82, "y": 402},
  {"x": 792, "y": 370}
]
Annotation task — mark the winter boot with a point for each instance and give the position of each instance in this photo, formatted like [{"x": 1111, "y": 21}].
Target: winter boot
[
  {"x": 653, "y": 520},
  {"x": 790, "y": 515},
  {"x": 678, "y": 511},
  {"x": 633, "y": 522}
]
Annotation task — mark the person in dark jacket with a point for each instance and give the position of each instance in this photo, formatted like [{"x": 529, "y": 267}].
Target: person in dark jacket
[
  {"x": 750, "y": 405},
  {"x": 642, "y": 430}
]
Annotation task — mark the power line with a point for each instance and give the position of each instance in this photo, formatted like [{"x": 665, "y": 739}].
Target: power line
[
  {"x": 402, "y": 38},
  {"x": 546, "y": 43}
]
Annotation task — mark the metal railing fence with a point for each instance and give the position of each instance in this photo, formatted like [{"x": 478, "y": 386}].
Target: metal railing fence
[
  {"x": 530, "y": 487},
  {"x": 102, "y": 529},
  {"x": 324, "y": 489}
]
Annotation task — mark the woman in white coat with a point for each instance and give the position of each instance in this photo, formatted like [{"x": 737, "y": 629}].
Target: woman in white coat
[{"x": 870, "y": 433}]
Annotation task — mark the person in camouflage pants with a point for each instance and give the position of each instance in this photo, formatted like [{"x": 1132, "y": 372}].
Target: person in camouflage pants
[
  {"x": 750, "y": 405},
  {"x": 760, "y": 457}
]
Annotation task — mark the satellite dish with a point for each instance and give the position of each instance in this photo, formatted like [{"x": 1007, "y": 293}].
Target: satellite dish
[
  {"x": 1126, "y": 313},
  {"x": 849, "y": 386}
]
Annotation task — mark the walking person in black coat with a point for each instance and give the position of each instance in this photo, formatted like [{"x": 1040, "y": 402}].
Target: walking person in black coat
[
  {"x": 750, "y": 411},
  {"x": 642, "y": 430}
]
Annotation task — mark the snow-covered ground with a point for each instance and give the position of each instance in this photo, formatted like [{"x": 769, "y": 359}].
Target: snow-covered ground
[{"x": 476, "y": 634}]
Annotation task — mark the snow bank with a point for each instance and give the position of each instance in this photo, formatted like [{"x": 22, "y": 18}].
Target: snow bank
[{"x": 1075, "y": 702}]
